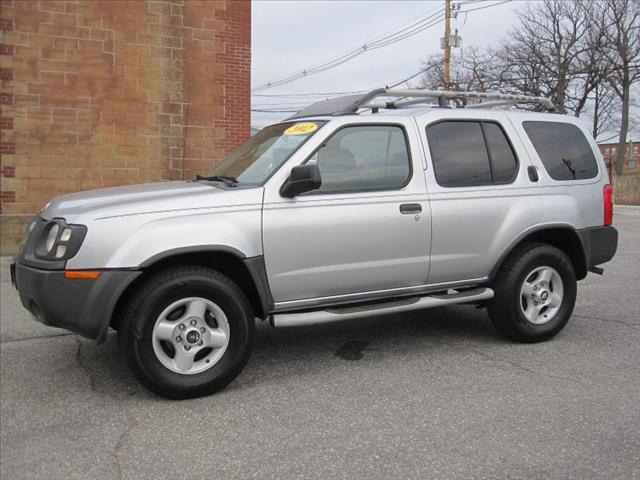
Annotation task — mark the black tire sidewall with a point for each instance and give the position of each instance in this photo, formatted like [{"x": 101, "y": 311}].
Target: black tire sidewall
[
  {"x": 160, "y": 379},
  {"x": 540, "y": 257}
]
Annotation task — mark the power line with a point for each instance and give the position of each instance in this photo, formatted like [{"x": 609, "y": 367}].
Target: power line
[
  {"x": 498, "y": 77},
  {"x": 429, "y": 67},
  {"x": 398, "y": 35},
  {"x": 308, "y": 94},
  {"x": 326, "y": 94},
  {"x": 279, "y": 108},
  {"x": 484, "y": 6}
]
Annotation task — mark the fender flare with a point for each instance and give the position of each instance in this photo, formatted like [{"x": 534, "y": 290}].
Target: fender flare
[
  {"x": 255, "y": 267},
  {"x": 539, "y": 229}
]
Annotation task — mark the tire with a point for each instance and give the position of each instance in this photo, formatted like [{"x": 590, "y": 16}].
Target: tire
[
  {"x": 187, "y": 308},
  {"x": 520, "y": 308}
]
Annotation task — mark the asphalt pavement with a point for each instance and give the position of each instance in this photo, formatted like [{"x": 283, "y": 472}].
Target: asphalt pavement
[{"x": 432, "y": 394}]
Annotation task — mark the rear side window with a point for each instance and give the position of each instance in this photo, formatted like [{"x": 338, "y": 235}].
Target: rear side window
[
  {"x": 471, "y": 153},
  {"x": 563, "y": 149},
  {"x": 503, "y": 160}
]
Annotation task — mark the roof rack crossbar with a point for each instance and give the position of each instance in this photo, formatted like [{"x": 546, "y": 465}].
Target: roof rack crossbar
[{"x": 412, "y": 96}]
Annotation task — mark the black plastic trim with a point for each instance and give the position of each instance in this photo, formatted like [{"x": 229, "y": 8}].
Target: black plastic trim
[
  {"x": 83, "y": 306},
  {"x": 258, "y": 271},
  {"x": 410, "y": 208},
  {"x": 78, "y": 233},
  {"x": 600, "y": 244},
  {"x": 255, "y": 266},
  {"x": 195, "y": 249},
  {"x": 27, "y": 251},
  {"x": 520, "y": 238}
]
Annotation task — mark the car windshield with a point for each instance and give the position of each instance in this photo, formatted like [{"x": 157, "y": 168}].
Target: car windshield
[{"x": 260, "y": 156}]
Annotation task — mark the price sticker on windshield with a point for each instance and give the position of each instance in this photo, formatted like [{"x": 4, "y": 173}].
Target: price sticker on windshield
[{"x": 301, "y": 129}]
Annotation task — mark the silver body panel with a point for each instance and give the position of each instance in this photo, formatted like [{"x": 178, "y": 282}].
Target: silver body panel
[
  {"x": 338, "y": 248},
  {"x": 473, "y": 225},
  {"x": 126, "y": 226},
  {"x": 318, "y": 245}
]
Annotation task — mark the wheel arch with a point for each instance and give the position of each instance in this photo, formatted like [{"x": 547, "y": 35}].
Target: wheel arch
[
  {"x": 562, "y": 236},
  {"x": 249, "y": 273}
]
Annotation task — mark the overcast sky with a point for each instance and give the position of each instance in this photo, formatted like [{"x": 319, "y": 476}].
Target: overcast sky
[{"x": 289, "y": 36}]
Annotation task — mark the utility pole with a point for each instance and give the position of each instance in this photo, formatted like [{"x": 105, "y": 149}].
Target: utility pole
[{"x": 447, "y": 45}]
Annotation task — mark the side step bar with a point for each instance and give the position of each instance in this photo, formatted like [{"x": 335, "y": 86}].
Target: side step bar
[{"x": 452, "y": 297}]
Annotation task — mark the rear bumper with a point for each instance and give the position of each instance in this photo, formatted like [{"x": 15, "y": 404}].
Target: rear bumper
[
  {"x": 600, "y": 244},
  {"x": 83, "y": 306}
]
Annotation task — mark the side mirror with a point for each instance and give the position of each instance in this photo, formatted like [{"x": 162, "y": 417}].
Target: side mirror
[{"x": 303, "y": 178}]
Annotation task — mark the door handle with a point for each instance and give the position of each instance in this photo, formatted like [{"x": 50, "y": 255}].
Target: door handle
[
  {"x": 533, "y": 173},
  {"x": 410, "y": 208}
]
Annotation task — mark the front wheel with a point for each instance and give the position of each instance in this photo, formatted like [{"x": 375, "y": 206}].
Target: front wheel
[
  {"x": 187, "y": 332},
  {"x": 535, "y": 292}
]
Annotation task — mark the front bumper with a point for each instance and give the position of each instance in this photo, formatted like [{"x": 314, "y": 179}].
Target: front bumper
[{"x": 83, "y": 306}]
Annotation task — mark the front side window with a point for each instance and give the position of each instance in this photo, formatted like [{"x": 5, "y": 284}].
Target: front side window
[
  {"x": 367, "y": 157},
  {"x": 260, "y": 156},
  {"x": 563, "y": 149},
  {"x": 471, "y": 153}
]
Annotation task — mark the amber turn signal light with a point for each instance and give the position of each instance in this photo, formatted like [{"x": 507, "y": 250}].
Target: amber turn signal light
[{"x": 82, "y": 274}]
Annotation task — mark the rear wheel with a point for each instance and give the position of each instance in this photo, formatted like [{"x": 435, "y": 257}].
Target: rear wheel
[
  {"x": 535, "y": 292},
  {"x": 187, "y": 332}
]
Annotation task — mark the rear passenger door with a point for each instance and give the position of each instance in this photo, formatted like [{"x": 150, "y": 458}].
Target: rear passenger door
[{"x": 480, "y": 192}]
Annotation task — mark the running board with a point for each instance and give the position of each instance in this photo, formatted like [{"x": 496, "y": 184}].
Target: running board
[{"x": 452, "y": 297}]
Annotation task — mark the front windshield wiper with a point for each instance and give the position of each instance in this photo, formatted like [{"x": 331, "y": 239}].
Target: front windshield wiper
[{"x": 227, "y": 180}]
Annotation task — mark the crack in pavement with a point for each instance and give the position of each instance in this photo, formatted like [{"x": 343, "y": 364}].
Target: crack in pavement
[
  {"x": 509, "y": 362},
  {"x": 35, "y": 337},
  {"x": 83, "y": 365},
  {"x": 609, "y": 320},
  {"x": 115, "y": 453}
]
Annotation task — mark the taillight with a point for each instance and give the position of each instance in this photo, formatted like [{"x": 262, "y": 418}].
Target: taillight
[{"x": 608, "y": 204}]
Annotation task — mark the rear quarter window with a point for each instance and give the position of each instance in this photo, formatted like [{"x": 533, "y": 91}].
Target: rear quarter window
[{"x": 563, "y": 149}]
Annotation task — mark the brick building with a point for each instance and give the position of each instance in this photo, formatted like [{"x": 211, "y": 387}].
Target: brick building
[
  {"x": 631, "y": 165},
  {"x": 104, "y": 93}
]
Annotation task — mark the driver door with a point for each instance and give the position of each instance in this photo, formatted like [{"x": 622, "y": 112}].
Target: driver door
[{"x": 365, "y": 230}]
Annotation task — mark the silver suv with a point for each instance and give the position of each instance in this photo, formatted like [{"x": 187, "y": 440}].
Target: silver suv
[{"x": 355, "y": 206}]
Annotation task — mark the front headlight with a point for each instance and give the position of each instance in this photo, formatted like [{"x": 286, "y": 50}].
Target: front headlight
[
  {"x": 59, "y": 240},
  {"x": 51, "y": 237}
]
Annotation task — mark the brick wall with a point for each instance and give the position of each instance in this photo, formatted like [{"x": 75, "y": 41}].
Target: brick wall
[
  {"x": 104, "y": 93},
  {"x": 631, "y": 163}
]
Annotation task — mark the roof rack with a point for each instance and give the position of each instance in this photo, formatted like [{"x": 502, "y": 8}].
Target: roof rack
[{"x": 350, "y": 104}]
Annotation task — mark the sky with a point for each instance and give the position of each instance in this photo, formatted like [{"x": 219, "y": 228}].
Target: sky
[{"x": 291, "y": 36}]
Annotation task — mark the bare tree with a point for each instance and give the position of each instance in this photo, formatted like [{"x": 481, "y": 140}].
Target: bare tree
[
  {"x": 561, "y": 50},
  {"x": 467, "y": 71},
  {"x": 603, "y": 107},
  {"x": 591, "y": 66},
  {"x": 555, "y": 51},
  {"x": 622, "y": 19}
]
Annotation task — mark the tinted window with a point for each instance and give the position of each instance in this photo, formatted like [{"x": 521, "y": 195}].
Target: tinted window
[
  {"x": 563, "y": 149},
  {"x": 363, "y": 158},
  {"x": 459, "y": 154},
  {"x": 503, "y": 160}
]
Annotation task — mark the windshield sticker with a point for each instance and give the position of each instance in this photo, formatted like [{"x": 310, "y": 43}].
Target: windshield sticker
[{"x": 301, "y": 129}]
